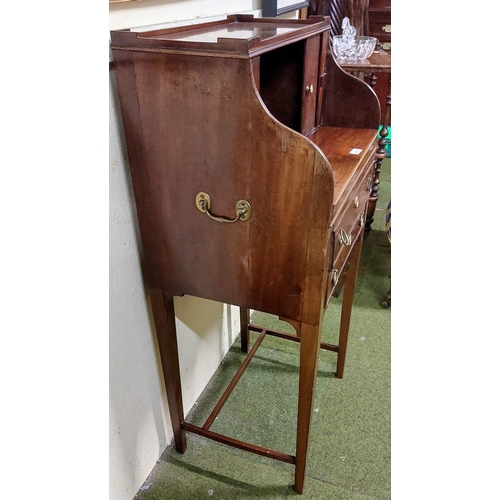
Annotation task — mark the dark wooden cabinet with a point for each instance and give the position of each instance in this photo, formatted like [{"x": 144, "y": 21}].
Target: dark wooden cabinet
[
  {"x": 379, "y": 22},
  {"x": 252, "y": 156},
  {"x": 379, "y": 26}
]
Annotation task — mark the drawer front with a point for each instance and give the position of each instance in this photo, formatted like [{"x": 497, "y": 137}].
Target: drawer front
[{"x": 348, "y": 228}]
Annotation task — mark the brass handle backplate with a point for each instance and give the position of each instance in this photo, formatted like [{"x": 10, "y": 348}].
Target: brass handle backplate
[
  {"x": 243, "y": 209},
  {"x": 344, "y": 238}
]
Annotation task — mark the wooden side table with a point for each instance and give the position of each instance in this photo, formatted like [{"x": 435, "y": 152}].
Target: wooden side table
[{"x": 379, "y": 62}]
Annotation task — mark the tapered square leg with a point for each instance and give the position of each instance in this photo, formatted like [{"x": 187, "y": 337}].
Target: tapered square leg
[
  {"x": 164, "y": 316},
  {"x": 310, "y": 339},
  {"x": 347, "y": 300}
]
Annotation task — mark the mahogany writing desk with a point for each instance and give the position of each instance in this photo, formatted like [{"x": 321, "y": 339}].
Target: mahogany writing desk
[{"x": 252, "y": 158}]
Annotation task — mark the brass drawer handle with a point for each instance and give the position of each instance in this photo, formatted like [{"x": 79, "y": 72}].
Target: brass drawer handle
[
  {"x": 243, "y": 209},
  {"x": 310, "y": 89},
  {"x": 335, "y": 279},
  {"x": 361, "y": 218},
  {"x": 368, "y": 183},
  {"x": 356, "y": 201},
  {"x": 344, "y": 238}
]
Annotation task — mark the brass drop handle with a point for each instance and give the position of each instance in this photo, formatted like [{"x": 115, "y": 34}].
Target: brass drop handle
[
  {"x": 243, "y": 209},
  {"x": 361, "y": 218},
  {"x": 335, "y": 279},
  {"x": 344, "y": 238},
  {"x": 356, "y": 201},
  {"x": 310, "y": 88}
]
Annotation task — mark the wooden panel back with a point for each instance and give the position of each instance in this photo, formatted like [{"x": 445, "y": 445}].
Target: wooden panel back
[{"x": 348, "y": 101}]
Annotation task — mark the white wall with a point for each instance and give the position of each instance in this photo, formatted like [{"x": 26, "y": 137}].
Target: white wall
[{"x": 139, "y": 425}]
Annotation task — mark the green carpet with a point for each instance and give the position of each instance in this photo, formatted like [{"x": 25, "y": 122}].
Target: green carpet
[{"x": 349, "y": 453}]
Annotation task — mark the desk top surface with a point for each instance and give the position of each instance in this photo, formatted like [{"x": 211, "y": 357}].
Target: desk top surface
[{"x": 239, "y": 34}]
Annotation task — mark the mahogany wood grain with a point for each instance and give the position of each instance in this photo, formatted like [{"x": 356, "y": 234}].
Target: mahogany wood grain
[
  {"x": 337, "y": 144},
  {"x": 309, "y": 87},
  {"x": 309, "y": 353},
  {"x": 342, "y": 94}
]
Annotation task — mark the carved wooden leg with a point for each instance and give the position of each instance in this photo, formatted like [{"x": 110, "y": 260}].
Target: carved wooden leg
[
  {"x": 379, "y": 158},
  {"x": 310, "y": 338},
  {"x": 347, "y": 300},
  {"x": 164, "y": 316},
  {"x": 244, "y": 321}
]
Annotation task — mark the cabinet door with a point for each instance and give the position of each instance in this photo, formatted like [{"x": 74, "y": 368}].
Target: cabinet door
[{"x": 310, "y": 85}]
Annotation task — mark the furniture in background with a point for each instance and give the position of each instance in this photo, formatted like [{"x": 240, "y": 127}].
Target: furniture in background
[
  {"x": 378, "y": 63},
  {"x": 388, "y": 223},
  {"x": 379, "y": 26},
  {"x": 252, "y": 158}
]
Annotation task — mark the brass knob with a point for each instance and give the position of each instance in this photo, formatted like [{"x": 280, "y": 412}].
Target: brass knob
[{"x": 310, "y": 88}]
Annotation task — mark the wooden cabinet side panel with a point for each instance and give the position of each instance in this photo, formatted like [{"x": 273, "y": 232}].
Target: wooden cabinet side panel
[
  {"x": 204, "y": 128},
  {"x": 348, "y": 101}
]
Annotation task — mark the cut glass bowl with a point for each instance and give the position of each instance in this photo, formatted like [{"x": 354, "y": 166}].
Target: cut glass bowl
[{"x": 353, "y": 49}]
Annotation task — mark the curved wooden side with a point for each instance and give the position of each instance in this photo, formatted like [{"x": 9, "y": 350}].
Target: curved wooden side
[
  {"x": 348, "y": 101},
  {"x": 230, "y": 147}
]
